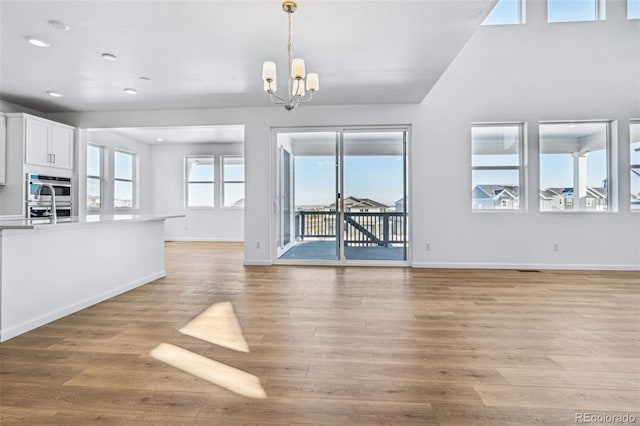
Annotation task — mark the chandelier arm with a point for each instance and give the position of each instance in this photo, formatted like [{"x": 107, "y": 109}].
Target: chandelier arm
[
  {"x": 273, "y": 95},
  {"x": 307, "y": 99}
]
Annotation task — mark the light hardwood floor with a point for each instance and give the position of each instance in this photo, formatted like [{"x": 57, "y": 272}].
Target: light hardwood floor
[{"x": 335, "y": 345}]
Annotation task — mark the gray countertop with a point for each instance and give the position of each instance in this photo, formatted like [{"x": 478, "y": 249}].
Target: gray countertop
[{"x": 42, "y": 223}]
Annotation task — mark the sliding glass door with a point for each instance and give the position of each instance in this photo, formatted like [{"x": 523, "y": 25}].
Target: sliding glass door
[
  {"x": 341, "y": 195},
  {"x": 307, "y": 196},
  {"x": 374, "y": 187}
]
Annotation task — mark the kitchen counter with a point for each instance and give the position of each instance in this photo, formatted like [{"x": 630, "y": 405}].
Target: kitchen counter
[
  {"x": 50, "y": 270},
  {"x": 92, "y": 219}
]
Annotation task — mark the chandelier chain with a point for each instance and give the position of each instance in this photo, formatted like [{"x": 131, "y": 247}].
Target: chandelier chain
[{"x": 289, "y": 57}]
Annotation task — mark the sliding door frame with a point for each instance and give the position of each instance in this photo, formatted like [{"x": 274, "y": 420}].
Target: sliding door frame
[{"x": 341, "y": 130}]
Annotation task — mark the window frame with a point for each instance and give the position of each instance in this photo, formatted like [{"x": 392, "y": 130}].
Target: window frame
[
  {"x": 187, "y": 181},
  {"x": 633, "y": 166},
  {"x": 521, "y": 167},
  {"x": 629, "y": 17},
  {"x": 522, "y": 17},
  {"x": 609, "y": 174},
  {"x": 133, "y": 180},
  {"x": 599, "y": 15},
  {"x": 223, "y": 180},
  {"x": 100, "y": 178}
]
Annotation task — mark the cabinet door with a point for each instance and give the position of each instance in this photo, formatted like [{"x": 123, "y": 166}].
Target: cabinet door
[
  {"x": 61, "y": 147},
  {"x": 37, "y": 142}
]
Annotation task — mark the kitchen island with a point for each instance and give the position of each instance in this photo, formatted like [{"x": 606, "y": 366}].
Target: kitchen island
[{"x": 50, "y": 270}]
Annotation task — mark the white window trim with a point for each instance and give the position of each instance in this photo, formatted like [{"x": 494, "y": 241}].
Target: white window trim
[
  {"x": 224, "y": 181},
  {"x": 632, "y": 166},
  {"x": 187, "y": 181},
  {"x": 600, "y": 13},
  {"x": 99, "y": 177},
  {"x": 610, "y": 184},
  {"x": 522, "y": 196},
  {"x": 133, "y": 180}
]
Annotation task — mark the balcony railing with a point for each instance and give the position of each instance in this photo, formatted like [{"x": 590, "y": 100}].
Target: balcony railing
[{"x": 361, "y": 229}]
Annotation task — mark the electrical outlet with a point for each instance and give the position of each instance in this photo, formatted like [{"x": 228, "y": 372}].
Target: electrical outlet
[
  {"x": 186, "y": 228},
  {"x": 556, "y": 246},
  {"x": 427, "y": 246},
  {"x": 257, "y": 244}
]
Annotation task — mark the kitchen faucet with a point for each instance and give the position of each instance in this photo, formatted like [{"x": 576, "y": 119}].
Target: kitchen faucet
[{"x": 54, "y": 216}]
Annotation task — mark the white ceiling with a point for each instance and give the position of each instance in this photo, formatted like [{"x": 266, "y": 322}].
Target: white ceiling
[
  {"x": 209, "y": 53},
  {"x": 190, "y": 134}
]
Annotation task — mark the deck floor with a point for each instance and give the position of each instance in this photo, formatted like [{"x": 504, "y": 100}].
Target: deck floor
[{"x": 326, "y": 250}]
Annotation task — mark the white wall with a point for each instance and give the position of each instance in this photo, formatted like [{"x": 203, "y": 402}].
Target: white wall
[
  {"x": 532, "y": 73},
  {"x": 528, "y": 73},
  {"x": 167, "y": 177},
  {"x": 112, "y": 141}
]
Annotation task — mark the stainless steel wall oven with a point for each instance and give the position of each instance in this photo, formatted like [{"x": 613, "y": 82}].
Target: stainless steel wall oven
[{"x": 39, "y": 199}]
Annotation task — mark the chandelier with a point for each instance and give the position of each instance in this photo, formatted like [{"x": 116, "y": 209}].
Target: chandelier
[{"x": 295, "y": 74}]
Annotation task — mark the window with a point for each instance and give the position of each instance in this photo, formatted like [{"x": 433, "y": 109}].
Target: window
[
  {"x": 496, "y": 166},
  {"x": 506, "y": 12},
  {"x": 94, "y": 177},
  {"x": 233, "y": 178},
  {"x": 634, "y": 131},
  {"x": 574, "y": 166},
  {"x": 199, "y": 182},
  {"x": 633, "y": 9},
  {"x": 123, "y": 180},
  {"x": 575, "y": 10}
]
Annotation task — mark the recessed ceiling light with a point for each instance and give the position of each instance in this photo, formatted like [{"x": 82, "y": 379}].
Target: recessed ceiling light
[
  {"x": 131, "y": 91},
  {"x": 159, "y": 139},
  {"x": 109, "y": 57},
  {"x": 147, "y": 79},
  {"x": 59, "y": 25},
  {"x": 54, "y": 94},
  {"x": 36, "y": 42}
]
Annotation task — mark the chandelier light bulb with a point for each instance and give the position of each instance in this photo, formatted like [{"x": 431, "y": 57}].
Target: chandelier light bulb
[
  {"x": 269, "y": 71},
  {"x": 312, "y": 82},
  {"x": 297, "y": 68},
  {"x": 270, "y": 87},
  {"x": 298, "y": 88}
]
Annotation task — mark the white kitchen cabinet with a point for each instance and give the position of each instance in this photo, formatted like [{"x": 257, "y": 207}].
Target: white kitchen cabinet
[
  {"x": 33, "y": 145},
  {"x": 48, "y": 143},
  {"x": 3, "y": 150},
  {"x": 61, "y": 146}
]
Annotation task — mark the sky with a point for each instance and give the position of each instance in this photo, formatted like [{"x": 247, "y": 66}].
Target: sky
[{"x": 379, "y": 178}]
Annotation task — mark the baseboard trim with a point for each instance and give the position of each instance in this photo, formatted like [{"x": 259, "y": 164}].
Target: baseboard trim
[
  {"x": 550, "y": 266},
  {"x": 210, "y": 240},
  {"x": 41, "y": 320},
  {"x": 257, "y": 263}
]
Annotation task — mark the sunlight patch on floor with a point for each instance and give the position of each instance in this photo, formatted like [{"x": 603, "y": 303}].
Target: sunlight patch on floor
[
  {"x": 212, "y": 371},
  {"x": 218, "y": 325}
]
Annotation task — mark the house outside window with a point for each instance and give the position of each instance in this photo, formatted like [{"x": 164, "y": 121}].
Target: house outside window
[
  {"x": 200, "y": 181},
  {"x": 94, "y": 176},
  {"x": 497, "y": 166},
  {"x": 575, "y": 10},
  {"x": 123, "y": 180},
  {"x": 233, "y": 181},
  {"x": 574, "y": 166},
  {"x": 506, "y": 12}
]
